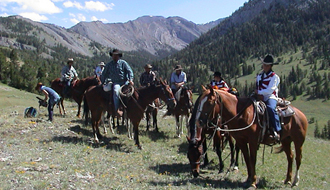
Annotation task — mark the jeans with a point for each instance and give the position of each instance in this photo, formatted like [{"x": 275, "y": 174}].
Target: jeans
[
  {"x": 51, "y": 103},
  {"x": 116, "y": 88},
  {"x": 273, "y": 116}
]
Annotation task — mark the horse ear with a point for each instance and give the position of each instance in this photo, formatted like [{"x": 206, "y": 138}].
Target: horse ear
[
  {"x": 211, "y": 90},
  {"x": 203, "y": 88}
]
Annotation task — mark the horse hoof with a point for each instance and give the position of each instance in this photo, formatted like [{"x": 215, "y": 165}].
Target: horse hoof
[{"x": 235, "y": 168}]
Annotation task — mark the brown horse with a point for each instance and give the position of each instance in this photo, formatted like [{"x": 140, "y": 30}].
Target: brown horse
[
  {"x": 77, "y": 90},
  {"x": 183, "y": 109},
  {"x": 96, "y": 101},
  {"x": 240, "y": 116},
  {"x": 152, "y": 111},
  {"x": 198, "y": 146}
]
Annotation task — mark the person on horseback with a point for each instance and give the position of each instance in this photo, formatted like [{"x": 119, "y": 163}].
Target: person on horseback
[
  {"x": 52, "y": 96},
  {"x": 119, "y": 73},
  {"x": 68, "y": 74},
  {"x": 148, "y": 77},
  {"x": 98, "y": 70},
  {"x": 218, "y": 82},
  {"x": 178, "y": 80},
  {"x": 267, "y": 90}
]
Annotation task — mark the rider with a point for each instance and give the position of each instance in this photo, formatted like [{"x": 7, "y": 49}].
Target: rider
[
  {"x": 68, "y": 74},
  {"x": 267, "y": 90},
  {"x": 218, "y": 82},
  {"x": 53, "y": 97},
  {"x": 119, "y": 73},
  {"x": 98, "y": 70},
  {"x": 178, "y": 80},
  {"x": 148, "y": 77}
]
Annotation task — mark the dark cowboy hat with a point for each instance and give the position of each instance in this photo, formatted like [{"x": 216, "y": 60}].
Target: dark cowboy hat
[
  {"x": 116, "y": 52},
  {"x": 268, "y": 60},
  {"x": 38, "y": 85},
  {"x": 148, "y": 66},
  {"x": 178, "y": 67},
  {"x": 217, "y": 74}
]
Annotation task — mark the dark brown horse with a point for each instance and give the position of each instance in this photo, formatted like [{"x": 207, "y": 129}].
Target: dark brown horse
[
  {"x": 151, "y": 112},
  {"x": 77, "y": 90},
  {"x": 240, "y": 116},
  {"x": 183, "y": 109},
  {"x": 95, "y": 100},
  {"x": 197, "y": 149}
]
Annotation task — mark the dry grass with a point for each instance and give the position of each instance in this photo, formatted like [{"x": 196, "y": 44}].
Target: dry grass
[{"x": 35, "y": 154}]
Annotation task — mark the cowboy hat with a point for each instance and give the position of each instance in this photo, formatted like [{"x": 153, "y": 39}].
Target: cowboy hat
[
  {"x": 148, "y": 66},
  {"x": 116, "y": 52},
  {"x": 217, "y": 74},
  {"x": 101, "y": 63},
  {"x": 38, "y": 85},
  {"x": 268, "y": 60},
  {"x": 178, "y": 67},
  {"x": 70, "y": 60}
]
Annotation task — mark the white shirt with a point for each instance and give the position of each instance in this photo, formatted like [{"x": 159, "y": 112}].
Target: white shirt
[
  {"x": 98, "y": 71},
  {"x": 269, "y": 85}
]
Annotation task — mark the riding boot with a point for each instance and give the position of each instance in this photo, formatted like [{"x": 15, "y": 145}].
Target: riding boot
[{"x": 50, "y": 116}]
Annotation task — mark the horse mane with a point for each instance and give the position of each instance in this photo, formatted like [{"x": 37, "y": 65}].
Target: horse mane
[{"x": 192, "y": 121}]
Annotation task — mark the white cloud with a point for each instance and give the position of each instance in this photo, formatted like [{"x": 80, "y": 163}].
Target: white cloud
[
  {"x": 34, "y": 16},
  {"x": 4, "y": 15},
  {"x": 36, "y": 6},
  {"x": 76, "y": 4},
  {"x": 90, "y": 5},
  {"x": 77, "y": 18},
  {"x": 93, "y": 18}
]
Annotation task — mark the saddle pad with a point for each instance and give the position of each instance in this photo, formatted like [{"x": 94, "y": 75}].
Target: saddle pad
[{"x": 286, "y": 112}]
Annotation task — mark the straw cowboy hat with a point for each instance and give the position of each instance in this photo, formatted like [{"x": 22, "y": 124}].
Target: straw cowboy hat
[
  {"x": 116, "y": 52},
  {"x": 148, "y": 66},
  {"x": 178, "y": 68},
  {"x": 70, "y": 60},
  {"x": 101, "y": 63}
]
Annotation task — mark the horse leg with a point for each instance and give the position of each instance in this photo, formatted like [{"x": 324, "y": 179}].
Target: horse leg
[
  {"x": 136, "y": 133},
  {"x": 187, "y": 125},
  {"x": 148, "y": 119},
  {"x": 286, "y": 147},
  {"x": 62, "y": 104},
  {"x": 177, "y": 125},
  {"x": 246, "y": 155},
  {"x": 253, "y": 159},
  {"x": 236, "y": 159},
  {"x": 97, "y": 122},
  {"x": 79, "y": 107},
  {"x": 232, "y": 152},
  {"x": 154, "y": 119},
  {"x": 103, "y": 123},
  {"x": 206, "y": 159},
  {"x": 216, "y": 145},
  {"x": 298, "y": 149}
]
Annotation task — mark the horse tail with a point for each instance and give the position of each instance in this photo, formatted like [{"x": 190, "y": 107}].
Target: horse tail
[
  {"x": 278, "y": 149},
  {"x": 86, "y": 110}
]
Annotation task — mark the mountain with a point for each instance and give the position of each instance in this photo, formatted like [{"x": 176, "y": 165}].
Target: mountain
[
  {"x": 158, "y": 36},
  {"x": 155, "y": 34},
  {"x": 296, "y": 32}
]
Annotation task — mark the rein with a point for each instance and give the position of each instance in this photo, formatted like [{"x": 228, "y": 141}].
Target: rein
[{"x": 238, "y": 114}]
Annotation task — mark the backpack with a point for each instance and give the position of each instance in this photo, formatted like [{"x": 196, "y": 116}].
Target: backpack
[{"x": 30, "y": 112}]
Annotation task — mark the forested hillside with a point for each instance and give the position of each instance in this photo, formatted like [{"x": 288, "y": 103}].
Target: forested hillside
[{"x": 295, "y": 32}]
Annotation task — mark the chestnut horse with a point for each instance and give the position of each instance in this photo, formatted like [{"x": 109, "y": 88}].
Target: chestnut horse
[
  {"x": 95, "y": 101},
  {"x": 183, "y": 109},
  {"x": 240, "y": 116},
  {"x": 198, "y": 147},
  {"x": 77, "y": 90}
]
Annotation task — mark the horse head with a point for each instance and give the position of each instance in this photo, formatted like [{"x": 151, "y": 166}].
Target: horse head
[
  {"x": 195, "y": 153},
  {"x": 166, "y": 94},
  {"x": 207, "y": 109}
]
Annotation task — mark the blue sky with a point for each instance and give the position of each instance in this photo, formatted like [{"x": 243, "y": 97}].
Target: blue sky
[{"x": 67, "y": 13}]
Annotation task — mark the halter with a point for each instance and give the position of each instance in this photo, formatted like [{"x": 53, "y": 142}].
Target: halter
[{"x": 219, "y": 101}]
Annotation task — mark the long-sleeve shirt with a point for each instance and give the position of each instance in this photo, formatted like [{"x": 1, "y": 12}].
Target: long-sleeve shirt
[
  {"x": 267, "y": 85},
  {"x": 98, "y": 71},
  {"x": 51, "y": 93},
  {"x": 147, "y": 78},
  {"x": 118, "y": 72},
  {"x": 68, "y": 73},
  {"x": 182, "y": 77}
]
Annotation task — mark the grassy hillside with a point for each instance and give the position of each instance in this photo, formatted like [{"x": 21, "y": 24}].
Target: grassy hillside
[{"x": 35, "y": 154}]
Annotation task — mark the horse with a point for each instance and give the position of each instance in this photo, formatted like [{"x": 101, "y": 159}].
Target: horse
[
  {"x": 240, "y": 116},
  {"x": 183, "y": 109},
  {"x": 152, "y": 111},
  {"x": 77, "y": 90},
  {"x": 96, "y": 101},
  {"x": 197, "y": 148}
]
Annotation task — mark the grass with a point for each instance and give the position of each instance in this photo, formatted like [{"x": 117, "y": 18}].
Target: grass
[{"x": 35, "y": 154}]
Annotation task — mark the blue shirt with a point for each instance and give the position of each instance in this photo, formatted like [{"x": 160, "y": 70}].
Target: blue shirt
[
  {"x": 51, "y": 93},
  {"x": 119, "y": 72},
  {"x": 178, "y": 78}
]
